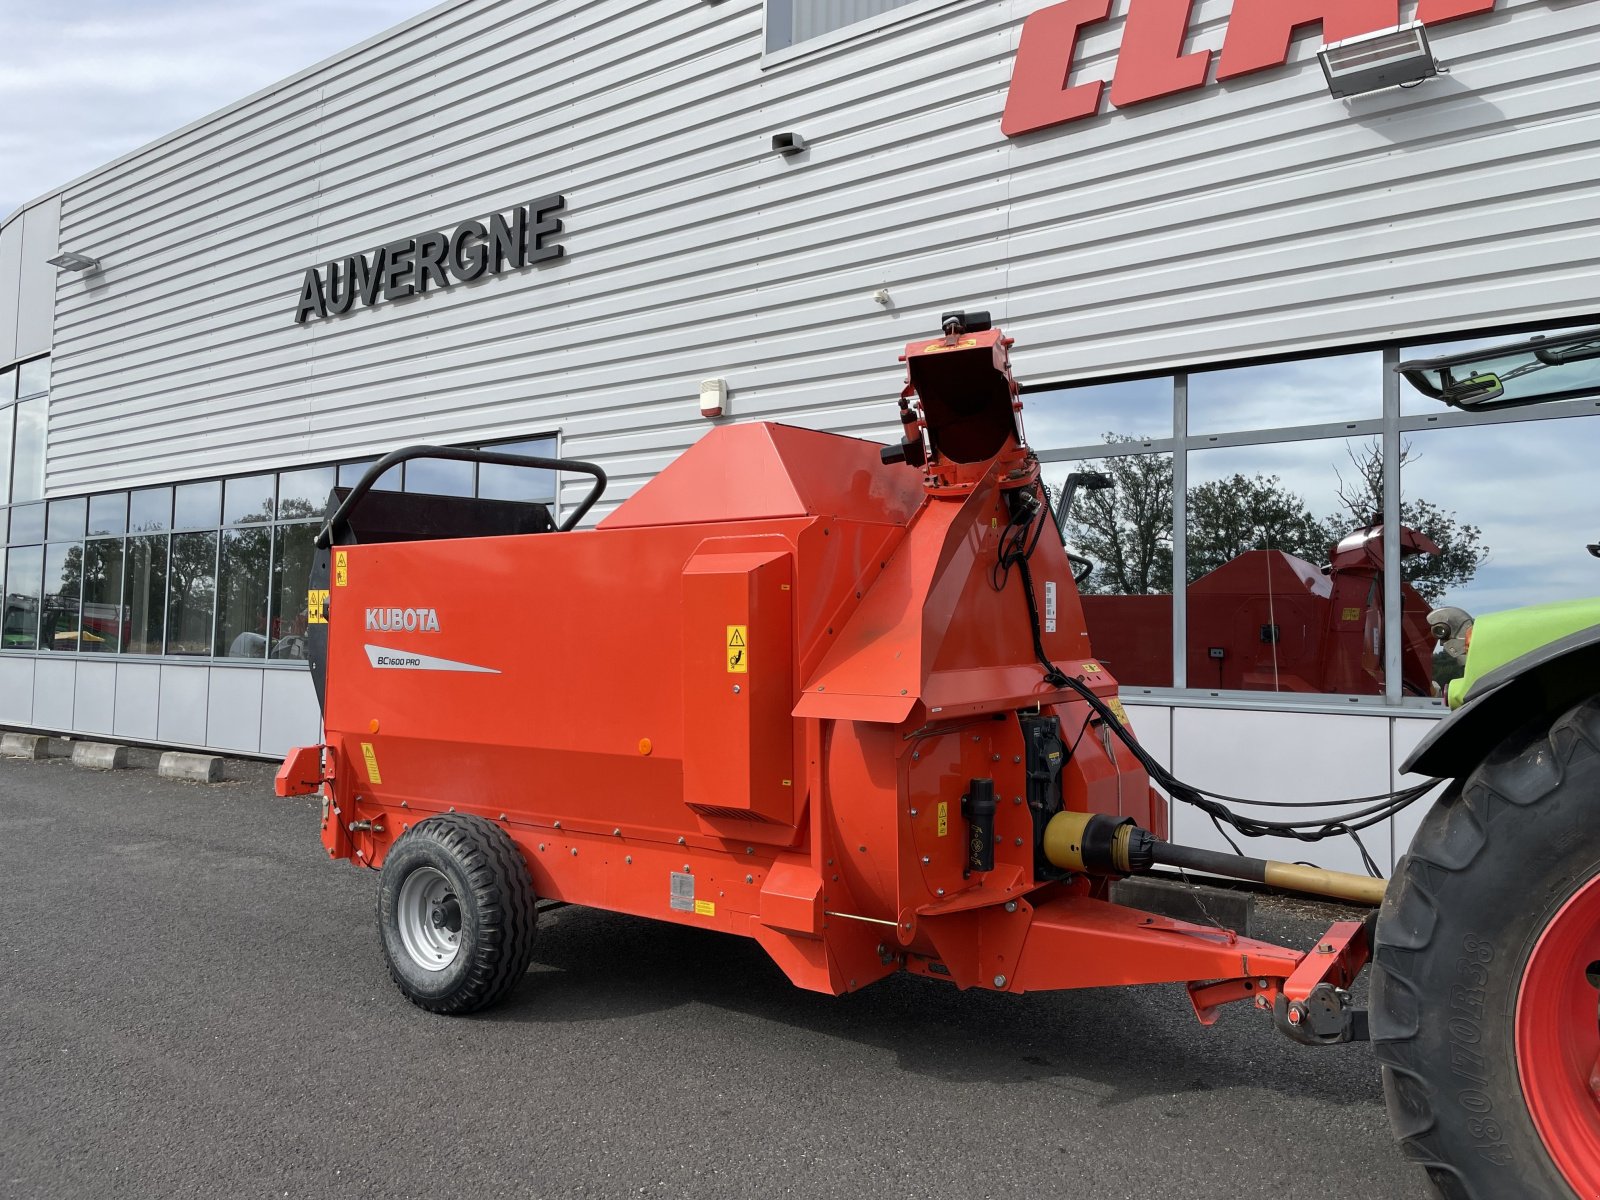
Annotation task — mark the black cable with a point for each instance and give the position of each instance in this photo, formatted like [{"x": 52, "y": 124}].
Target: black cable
[{"x": 1016, "y": 548}]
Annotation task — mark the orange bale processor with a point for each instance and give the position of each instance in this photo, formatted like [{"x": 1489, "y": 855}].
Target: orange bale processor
[{"x": 801, "y": 688}]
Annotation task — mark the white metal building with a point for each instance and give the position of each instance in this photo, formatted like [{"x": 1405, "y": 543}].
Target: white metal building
[{"x": 778, "y": 194}]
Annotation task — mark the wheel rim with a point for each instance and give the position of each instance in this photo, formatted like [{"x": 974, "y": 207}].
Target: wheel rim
[
  {"x": 1558, "y": 1038},
  {"x": 429, "y": 917}
]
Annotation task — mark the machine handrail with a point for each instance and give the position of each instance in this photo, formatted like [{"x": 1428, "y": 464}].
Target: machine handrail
[{"x": 341, "y": 516}]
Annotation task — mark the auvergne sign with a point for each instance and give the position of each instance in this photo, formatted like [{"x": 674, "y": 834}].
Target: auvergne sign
[{"x": 506, "y": 241}]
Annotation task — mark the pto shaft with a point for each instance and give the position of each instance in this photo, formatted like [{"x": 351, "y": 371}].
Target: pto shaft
[{"x": 1100, "y": 845}]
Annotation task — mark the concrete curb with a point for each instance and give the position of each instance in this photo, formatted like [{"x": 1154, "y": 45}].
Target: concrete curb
[
  {"x": 192, "y": 768},
  {"x": 100, "y": 756},
  {"x": 24, "y": 745}
]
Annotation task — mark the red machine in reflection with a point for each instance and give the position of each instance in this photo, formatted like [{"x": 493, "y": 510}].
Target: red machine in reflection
[{"x": 1268, "y": 621}]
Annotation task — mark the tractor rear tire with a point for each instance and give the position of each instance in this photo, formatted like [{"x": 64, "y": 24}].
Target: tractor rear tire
[
  {"x": 456, "y": 914},
  {"x": 1485, "y": 1009}
]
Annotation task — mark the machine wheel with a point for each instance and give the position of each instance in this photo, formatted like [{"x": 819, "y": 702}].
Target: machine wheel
[
  {"x": 456, "y": 914},
  {"x": 1486, "y": 977}
]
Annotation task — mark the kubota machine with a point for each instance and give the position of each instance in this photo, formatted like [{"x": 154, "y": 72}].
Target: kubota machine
[{"x": 832, "y": 696}]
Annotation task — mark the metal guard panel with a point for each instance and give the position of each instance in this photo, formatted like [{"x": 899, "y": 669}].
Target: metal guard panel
[
  {"x": 763, "y": 471},
  {"x": 1548, "y": 680}
]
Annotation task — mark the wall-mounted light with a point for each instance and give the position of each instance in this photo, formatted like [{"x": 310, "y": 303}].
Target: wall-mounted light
[
  {"x": 69, "y": 261},
  {"x": 788, "y": 144},
  {"x": 1398, "y": 57}
]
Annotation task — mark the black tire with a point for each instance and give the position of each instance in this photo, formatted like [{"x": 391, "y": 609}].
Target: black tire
[
  {"x": 456, "y": 914},
  {"x": 1489, "y": 870}
]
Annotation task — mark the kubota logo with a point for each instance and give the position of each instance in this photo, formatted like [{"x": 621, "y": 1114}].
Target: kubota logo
[
  {"x": 409, "y": 620},
  {"x": 1151, "y": 62}
]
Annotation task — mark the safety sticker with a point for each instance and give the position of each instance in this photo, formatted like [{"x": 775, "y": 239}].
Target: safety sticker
[
  {"x": 705, "y": 908},
  {"x": 1092, "y": 668},
  {"x": 371, "y": 755},
  {"x": 341, "y": 567},
  {"x": 738, "y": 649},
  {"x": 944, "y": 818},
  {"x": 681, "y": 898},
  {"x": 1050, "y": 607},
  {"x": 1115, "y": 706},
  {"x": 317, "y": 607},
  {"x": 1350, "y": 614}
]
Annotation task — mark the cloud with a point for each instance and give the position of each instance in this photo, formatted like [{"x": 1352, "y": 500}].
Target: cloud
[{"x": 84, "y": 84}]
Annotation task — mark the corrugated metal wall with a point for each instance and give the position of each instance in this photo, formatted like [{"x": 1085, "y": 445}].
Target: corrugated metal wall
[{"x": 1258, "y": 215}]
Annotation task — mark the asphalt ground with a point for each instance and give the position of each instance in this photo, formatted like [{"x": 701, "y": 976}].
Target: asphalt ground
[{"x": 192, "y": 1004}]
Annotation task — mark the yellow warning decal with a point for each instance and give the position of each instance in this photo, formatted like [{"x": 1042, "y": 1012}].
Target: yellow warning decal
[
  {"x": 317, "y": 607},
  {"x": 1092, "y": 668},
  {"x": 705, "y": 908},
  {"x": 738, "y": 649},
  {"x": 1350, "y": 614},
  {"x": 1116, "y": 707},
  {"x": 341, "y": 567},
  {"x": 371, "y": 755},
  {"x": 944, "y": 818}
]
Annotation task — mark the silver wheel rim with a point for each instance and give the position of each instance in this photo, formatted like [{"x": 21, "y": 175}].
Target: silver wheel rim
[{"x": 429, "y": 915}]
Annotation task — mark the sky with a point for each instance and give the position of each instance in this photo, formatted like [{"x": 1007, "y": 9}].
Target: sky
[{"x": 84, "y": 83}]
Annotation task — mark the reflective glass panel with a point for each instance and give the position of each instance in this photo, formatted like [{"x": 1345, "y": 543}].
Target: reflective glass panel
[
  {"x": 27, "y": 473},
  {"x": 150, "y": 510},
  {"x": 63, "y": 584},
  {"x": 104, "y": 614},
  {"x": 108, "y": 514},
  {"x": 8, "y": 385},
  {"x": 247, "y": 500},
  {"x": 1137, "y": 410},
  {"x": 350, "y": 474},
  {"x": 146, "y": 605},
  {"x": 1264, "y": 615},
  {"x": 1414, "y": 403},
  {"x": 303, "y": 494},
  {"x": 1118, "y": 530},
  {"x": 27, "y": 523},
  {"x": 291, "y": 574},
  {"x": 498, "y": 482},
  {"x": 24, "y": 575},
  {"x": 242, "y": 593},
  {"x": 439, "y": 477},
  {"x": 1310, "y": 391},
  {"x": 33, "y": 377},
  {"x": 8, "y": 421},
  {"x": 66, "y": 519},
  {"x": 191, "y": 593},
  {"x": 196, "y": 505}
]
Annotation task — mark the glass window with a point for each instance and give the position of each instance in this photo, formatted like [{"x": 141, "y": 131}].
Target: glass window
[
  {"x": 27, "y": 472},
  {"x": 150, "y": 510},
  {"x": 24, "y": 576},
  {"x": 33, "y": 377},
  {"x": 66, "y": 519},
  {"x": 242, "y": 593},
  {"x": 108, "y": 514},
  {"x": 8, "y": 418},
  {"x": 304, "y": 494},
  {"x": 1118, "y": 531},
  {"x": 247, "y": 500},
  {"x": 1414, "y": 403},
  {"x": 146, "y": 606},
  {"x": 497, "y": 482},
  {"x": 350, "y": 474},
  {"x": 104, "y": 615},
  {"x": 1134, "y": 410},
  {"x": 27, "y": 523},
  {"x": 8, "y": 385},
  {"x": 191, "y": 592},
  {"x": 292, "y": 553},
  {"x": 1285, "y": 548},
  {"x": 439, "y": 477},
  {"x": 63, "y": 581},
  {"x": 196, "y": 505},
  {"x": 1309, "y": 391},
  {"x": 791, "y": 21}
]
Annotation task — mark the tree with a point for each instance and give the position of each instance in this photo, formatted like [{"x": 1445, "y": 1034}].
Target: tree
[
  {"x": 1461, "y": 545},
  {"x": 1230, "y": 516},
  {"x": 1126, "y": 530}
]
